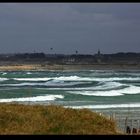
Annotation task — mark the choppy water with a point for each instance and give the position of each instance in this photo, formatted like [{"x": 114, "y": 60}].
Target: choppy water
[{"x": 94, "y": 89}]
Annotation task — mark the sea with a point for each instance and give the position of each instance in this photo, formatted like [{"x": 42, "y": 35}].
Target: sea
[{"x": 105, "y": 91}]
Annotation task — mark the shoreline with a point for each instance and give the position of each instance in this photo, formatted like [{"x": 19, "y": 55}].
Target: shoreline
[{"x": 67, "y": 67}]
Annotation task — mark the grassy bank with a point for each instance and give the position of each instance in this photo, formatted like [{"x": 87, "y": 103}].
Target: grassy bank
[{"x": 27, "y": 119}]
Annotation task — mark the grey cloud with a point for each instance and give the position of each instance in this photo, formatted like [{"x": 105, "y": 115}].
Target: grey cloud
[{"x": 69, "y": 27}]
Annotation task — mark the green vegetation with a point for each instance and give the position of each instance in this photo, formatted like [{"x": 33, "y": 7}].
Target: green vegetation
[{"x": 37, "y": 119}]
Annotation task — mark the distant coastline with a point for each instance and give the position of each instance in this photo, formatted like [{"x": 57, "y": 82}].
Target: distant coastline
[
  {"x": 41, "y": 61},
  {"x": 39, "y": 67}
]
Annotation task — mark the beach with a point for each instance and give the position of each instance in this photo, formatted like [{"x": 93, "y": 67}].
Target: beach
[{"x": 26, "y": 67}]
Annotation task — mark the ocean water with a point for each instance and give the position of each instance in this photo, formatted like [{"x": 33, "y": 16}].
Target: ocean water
[
  {"x": 99, "y": 90},
  {"x": 105, "y": 91}
]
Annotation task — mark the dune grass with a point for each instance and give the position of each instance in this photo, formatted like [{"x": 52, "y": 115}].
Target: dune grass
[{"x": 37, "y": 119}]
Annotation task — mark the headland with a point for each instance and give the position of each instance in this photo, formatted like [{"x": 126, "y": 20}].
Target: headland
[{"x": 41, "y": 61}]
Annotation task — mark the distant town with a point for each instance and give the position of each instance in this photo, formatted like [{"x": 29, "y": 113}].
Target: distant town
[{"x": 97, "y": 58}]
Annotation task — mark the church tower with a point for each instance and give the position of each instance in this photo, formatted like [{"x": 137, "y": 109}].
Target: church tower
[
  {"x": 99, "y": 52},
  {"x": 99, "y": 56}
]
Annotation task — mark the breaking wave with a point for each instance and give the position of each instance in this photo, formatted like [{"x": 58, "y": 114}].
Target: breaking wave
[
  {"x": 114, "y": 86},
  {"x": 75, "y": 78},
  {"x": 104, "y": 86},
  {"x": 4, "y": 73},
  {"x": 49, "y": 84},
  {"x": 97, "y": 93},
  {"x": 131, "y": 105},
  {"x": 119, "y": 92},
  {"x": 33, "y": 99},
  {"x": 28, "y": 73},
  {"x": 32, "y": 79},
  {"x": 3, "y": 79}
]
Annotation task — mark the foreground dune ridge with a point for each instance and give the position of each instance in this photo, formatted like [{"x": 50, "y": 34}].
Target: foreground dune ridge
[{"x": 52, "y": 119}]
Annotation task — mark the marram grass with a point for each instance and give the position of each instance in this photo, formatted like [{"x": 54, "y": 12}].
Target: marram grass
[{"x": 52, "y": 119}]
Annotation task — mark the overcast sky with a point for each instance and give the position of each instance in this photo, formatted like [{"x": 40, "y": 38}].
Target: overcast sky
[{"x": 67, "y": 27}]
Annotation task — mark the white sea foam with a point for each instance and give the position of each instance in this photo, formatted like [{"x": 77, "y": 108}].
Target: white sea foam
[
  {"x": 62, "y": 83},
  {"x": 77, "y": 78},
  {"x": 32, "y": 79},
  {"x": 97, "y": 93},
  {"x": 105, "y": 86},
  {"x": 49, "y": 83},
  {"x": 104, "y": 106},
  {"x": 108, "y": 85},
  {"x": 131, "y": 90},
  {"x": 33, "y": 99},
  {"x": 117, "y": 79},
  {"x": 23, "y": 84},
  {"x": 67, "y": 78},
  {"x": 28, "y": 73},
  {"x": 119, "y": 92},
  {"x": 3, "y": 79},
  {"x": 102, "y": 71},
  {"x": 128, "y": 74},
  {"x": 4, "y": 73}
]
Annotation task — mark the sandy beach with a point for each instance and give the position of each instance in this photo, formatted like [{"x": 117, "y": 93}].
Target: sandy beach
[{"x": 68, "y": 67}]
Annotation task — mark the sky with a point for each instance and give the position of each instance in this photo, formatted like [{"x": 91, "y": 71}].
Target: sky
[{"x": 67, "y": 27}]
